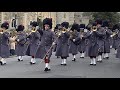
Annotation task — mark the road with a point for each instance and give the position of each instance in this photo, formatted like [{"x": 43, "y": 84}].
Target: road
[{"x": 79, "y": 69}]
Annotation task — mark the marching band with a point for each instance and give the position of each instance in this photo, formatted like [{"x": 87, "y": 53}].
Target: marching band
[{"x": 91, "y": 41}]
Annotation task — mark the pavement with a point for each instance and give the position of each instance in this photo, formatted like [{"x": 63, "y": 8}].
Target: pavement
[{"x": 79, "y": 69}]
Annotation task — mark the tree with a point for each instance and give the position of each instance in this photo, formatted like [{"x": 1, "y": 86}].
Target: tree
[{"x": 113, "y": 17}]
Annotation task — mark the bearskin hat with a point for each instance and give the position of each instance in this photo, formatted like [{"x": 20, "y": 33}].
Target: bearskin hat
[
  {"x": 47, "y": 21},
  {"x": 82, "y": 26},
  {"x": 105, "y": 23},
  {"x": 94, "y": 24},
  {"x": 99, "y": 21},
  {"x": 5, "y": 25},
  {"x": 57, "y": 26},
  {"x": 34, "y": 24},
  {"x": 116, "y": 26},
  {"x": 65, "y": 24},
  {"x": 20, "y": 28},
  {"x": 75, "y": 27},
  {"x": 88, "y": 27}
]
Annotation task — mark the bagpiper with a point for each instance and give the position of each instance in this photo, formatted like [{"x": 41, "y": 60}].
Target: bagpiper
[
  {"x": 21, "y": 40},
  {"x": 106, "y": 39},
  {"x": 4, "y": 43},
  {"x": 47, "y": 42},
  {"x": 62, "y": 49},
  {"x": 73, "y": 49},
  {"x": 34, "y": 38}
]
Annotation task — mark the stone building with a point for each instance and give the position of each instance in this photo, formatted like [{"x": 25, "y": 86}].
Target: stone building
[{"x": 57, "y": 17}]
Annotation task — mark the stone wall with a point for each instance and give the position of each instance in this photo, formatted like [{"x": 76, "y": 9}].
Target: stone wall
[{"x": 57, "y": 17}]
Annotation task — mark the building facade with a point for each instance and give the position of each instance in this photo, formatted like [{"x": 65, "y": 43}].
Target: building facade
[{"x": 57, "y": 17}]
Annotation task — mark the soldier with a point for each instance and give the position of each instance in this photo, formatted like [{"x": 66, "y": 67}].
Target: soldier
[
  {"x": 56, "y": 30},
  {"x": 62, "y": 49},
  {"x": 100, "y": 39},
  {"x": 107, "y": 39},
  {"x": 4, "y": 43},
  {"x": 21, "y": 40},
  {"x": 118, "y": 47},
  {"x": 34, "y": 38},
  {"x": 73, "y": 49},
  {"x": 88, "y": 29},
  {"x": 115, "y": 30},
  {"x": 81, "y": 46},
  {"x": 93, "y": 46},
  {"x": 47, "y": 41}
]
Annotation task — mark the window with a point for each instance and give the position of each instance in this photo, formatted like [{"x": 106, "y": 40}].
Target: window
[{"x": 64, "y": 15}]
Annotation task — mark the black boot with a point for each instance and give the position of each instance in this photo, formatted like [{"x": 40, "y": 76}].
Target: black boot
[
  {"x": 18, "y": 60},
  {"x": 107, "y": 57},
  {"x": 32, "y": 63},
  {"x": 65, "y": 64},
  {"x": 2, "y": 63},
  {"x": 74, "y": 59},
  {"x": 58, "y": 57},
  {"x": 46, "y": 69}
]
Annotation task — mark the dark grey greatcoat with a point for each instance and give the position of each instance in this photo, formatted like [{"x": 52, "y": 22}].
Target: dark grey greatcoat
[
  {"x": 73, "y": 48},
  {"x": 82, "y": 45},
  {"x": 63, "y": 45},
  {"x": 93, "y": 46},
  {"x": 47, "y": 38},
  {"x": 87, "y": 41},
  {"x": 115, "y": 40},
  {"x": 34, "y": 38},
  {"x": 21, "y": 47},
  {"x": 100, "y": 38},
  {"x": 107, "y": 39},
  {"x": 4, "y": 45},
  {"x": 118, "y": 47}
]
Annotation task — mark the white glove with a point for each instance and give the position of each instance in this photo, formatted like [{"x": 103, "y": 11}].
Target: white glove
[
  {"x": 59, "y": 34},
  {"x": 1, "y": 32},
  {"x": 91, "y": 32},
  {"x": 18, "y": 40},
  {"x": 73, "y": 40},
  {"x": 85, "y": 30},
  {"x": 111, "y": 35},
  {"x": 53, "y": 43}
]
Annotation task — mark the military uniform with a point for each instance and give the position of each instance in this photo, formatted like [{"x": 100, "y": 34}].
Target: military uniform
[
  {"x": 4, "y": 43},
  {"x": 115, "y": 37},
  {"x": 47, "y": 39},
  {"x": 81, "y": 46},
  {"x": 34, "y": 42},
  {"x": 62, "y": 49},
  {"x": 118, "y": 47},
  {"x": 73, "y": 49},
  {"x": 21, "y": 40},
  {"x": 107, "y": 39},
  {"x": 57, "y": 29},
  {"x": 93, "y": 46}
]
